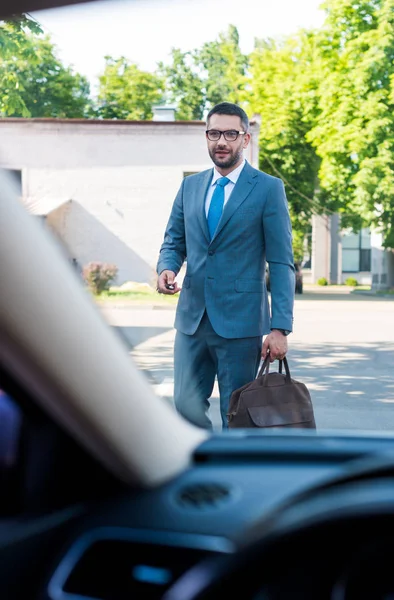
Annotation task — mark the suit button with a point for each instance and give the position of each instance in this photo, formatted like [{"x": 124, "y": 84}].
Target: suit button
[{"x": 211, "y": 252}]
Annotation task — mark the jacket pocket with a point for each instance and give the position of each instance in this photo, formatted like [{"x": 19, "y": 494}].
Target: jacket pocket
[{"x": 249, "y": 285}]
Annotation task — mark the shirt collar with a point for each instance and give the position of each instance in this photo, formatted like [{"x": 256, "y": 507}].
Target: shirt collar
[{"x": 233, "y": 176}]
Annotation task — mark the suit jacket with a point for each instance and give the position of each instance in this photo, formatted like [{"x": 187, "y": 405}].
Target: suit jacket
[{"x": 226, "y": 275}]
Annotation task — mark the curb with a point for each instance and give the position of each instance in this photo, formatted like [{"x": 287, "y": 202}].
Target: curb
[{"x": 373, "y": 294}]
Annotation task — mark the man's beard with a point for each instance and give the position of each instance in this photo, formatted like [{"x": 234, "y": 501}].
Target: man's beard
[{"x": 231, "y": 159}]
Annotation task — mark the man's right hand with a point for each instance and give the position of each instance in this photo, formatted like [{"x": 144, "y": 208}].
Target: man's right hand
[{"x": 167, "y": 278}]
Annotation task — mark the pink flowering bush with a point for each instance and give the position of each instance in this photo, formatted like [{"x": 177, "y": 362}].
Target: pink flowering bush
[{"x": 99, "y": 276}]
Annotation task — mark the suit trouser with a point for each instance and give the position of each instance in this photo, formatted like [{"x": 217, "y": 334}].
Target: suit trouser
[{"x": 199, "y": 358}]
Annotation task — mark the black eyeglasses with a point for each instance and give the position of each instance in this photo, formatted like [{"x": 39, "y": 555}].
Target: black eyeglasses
[{"x": 230, "y": 135}]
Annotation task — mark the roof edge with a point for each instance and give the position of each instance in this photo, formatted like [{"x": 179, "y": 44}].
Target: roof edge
[
  {"x": 96, "y": 121},
  {"x": 100, "y": 121}
]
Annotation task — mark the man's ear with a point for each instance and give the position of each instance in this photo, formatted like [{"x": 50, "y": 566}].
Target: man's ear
[{"x": 247, "y": 138}]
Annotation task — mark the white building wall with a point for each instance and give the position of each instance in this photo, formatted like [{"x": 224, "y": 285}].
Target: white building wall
[
  {"x": 321, "y": 248},
  {"x": 121, "y": 178},
  {"x": 380, "y": 263},
  {"x": 131, "y": 203}
]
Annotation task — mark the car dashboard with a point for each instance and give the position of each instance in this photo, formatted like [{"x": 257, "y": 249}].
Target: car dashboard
[{"x": 138, "y": 544}]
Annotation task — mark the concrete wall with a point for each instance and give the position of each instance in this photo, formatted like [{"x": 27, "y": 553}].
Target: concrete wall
[
  {"x": 381, "y": 262},
  {"x": 390, "y": 258},
  {"x": 335, "y": 249},
  {"x": 321, "y": 248},
  {"x": 122, "y": 178}
]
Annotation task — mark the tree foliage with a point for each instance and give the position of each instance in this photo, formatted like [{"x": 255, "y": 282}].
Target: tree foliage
[
  {"x": 184, "y": 85},
  {"x": 326, "y": 103},
  {"x": 282, "y": 90},
  {"x": 354, "y": 135},
  {"x": 126, "y": 92},
  {"x": 199, "y": 79},
  {"x": 33, "y": 81},
  {"x": 223, "y": 68}
]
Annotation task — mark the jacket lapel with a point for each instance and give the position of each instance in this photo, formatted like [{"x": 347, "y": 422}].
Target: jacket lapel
[
  {"x": 246, "y": 182},
  {"x": 202, "y": 194}
]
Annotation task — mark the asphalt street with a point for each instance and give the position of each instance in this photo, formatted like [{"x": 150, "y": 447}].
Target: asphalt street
[{"x": 342, "y": 348}]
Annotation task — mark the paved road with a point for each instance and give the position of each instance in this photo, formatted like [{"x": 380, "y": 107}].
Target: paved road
[{"x": 342, "y": 348}]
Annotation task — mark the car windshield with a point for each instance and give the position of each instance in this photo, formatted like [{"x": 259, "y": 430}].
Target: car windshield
[{"x": 105, "y": 109}]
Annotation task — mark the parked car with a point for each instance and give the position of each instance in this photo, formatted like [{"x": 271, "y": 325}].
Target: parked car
[{"x": 298, "y": 278}]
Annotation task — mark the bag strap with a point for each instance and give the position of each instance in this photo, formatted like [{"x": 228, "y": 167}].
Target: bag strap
[
  {"x": 265, "y": 368},
  {"x": 287, "y": 369}
]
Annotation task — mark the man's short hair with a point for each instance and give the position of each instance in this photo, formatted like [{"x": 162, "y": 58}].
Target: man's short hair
[{"x": 228, "y": 108}]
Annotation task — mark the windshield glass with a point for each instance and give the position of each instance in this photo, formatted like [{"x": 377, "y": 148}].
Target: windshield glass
[{"x": 220, "y": 179}]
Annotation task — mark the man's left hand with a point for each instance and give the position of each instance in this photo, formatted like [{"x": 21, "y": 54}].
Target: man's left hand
[{"x": 276, "y": 344}]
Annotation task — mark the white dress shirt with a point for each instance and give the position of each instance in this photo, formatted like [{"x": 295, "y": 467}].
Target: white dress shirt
[{"x": 233, "y": 177}]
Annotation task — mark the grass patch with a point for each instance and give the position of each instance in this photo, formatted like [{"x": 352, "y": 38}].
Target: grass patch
[
  {"x": 136, "y": 297},
  {"x": 363, "y": 288},
  {"x": 333, "y": 286}
]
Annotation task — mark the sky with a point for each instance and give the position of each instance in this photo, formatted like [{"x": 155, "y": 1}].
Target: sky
[{"x": 144, "y": 31}]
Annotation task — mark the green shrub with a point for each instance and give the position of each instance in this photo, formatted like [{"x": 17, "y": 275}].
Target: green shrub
[
  {"x": 351, "y": 282},
  {"x": 98, "y": 276},
  {"x": 322, "y": 281}
]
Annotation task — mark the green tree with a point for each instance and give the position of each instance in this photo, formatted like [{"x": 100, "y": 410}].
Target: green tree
[
  {"x": 184, "y": 85},
  {"x": 14, "y": 43},
  {"x": 201, "y": 78},
  {"x": 282, "y": 89},
  {"x": 326, "y": 100},
  {"x": 33, "y": 81},
  {"x": 223, "y": 67},
  {"x": 126, "y": 92},
  {"x": 354, "y": 135}
]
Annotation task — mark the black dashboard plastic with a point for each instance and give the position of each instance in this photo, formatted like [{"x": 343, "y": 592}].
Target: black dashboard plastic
[
  {"x": 114, "y": 562},
  {"x": 236, "y": 481}
]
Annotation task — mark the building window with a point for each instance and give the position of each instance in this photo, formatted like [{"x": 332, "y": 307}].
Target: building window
[
  {"x": 365, "y": 259},
  {"x": 356, "y": 251},
  {"x": 350, "y": 260}
]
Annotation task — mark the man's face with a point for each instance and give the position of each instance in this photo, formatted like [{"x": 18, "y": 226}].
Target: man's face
[{"x": 227, "y": 155}]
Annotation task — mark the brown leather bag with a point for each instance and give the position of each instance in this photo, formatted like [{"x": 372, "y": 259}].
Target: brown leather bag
[{"x": 272, "y": 400}]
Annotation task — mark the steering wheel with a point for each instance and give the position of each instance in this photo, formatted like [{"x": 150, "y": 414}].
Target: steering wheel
[{"x": 355, "y": 509}]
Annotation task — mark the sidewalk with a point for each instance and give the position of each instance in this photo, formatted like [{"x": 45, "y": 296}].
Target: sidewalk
[{"x": 343, "y": 290}]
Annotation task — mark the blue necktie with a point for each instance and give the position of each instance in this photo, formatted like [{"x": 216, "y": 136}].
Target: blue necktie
[{"x": 216, "y": 206}]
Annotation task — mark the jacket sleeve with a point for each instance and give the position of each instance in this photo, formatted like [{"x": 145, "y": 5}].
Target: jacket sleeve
[
  {"x": 173, "y": 249},
  {"x": 279, "y": 254}
]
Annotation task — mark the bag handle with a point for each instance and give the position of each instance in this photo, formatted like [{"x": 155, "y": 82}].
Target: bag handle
[{"x": 265, "y": 368}]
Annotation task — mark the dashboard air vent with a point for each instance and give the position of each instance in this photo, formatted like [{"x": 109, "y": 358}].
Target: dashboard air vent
[{"x": 203, "y": 496}]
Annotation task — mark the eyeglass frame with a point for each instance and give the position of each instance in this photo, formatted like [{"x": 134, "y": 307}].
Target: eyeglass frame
[{"x": 223, "y": 133}]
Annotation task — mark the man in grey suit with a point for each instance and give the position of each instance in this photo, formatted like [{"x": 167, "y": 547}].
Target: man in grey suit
[{"x": 226, "y": 222}]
